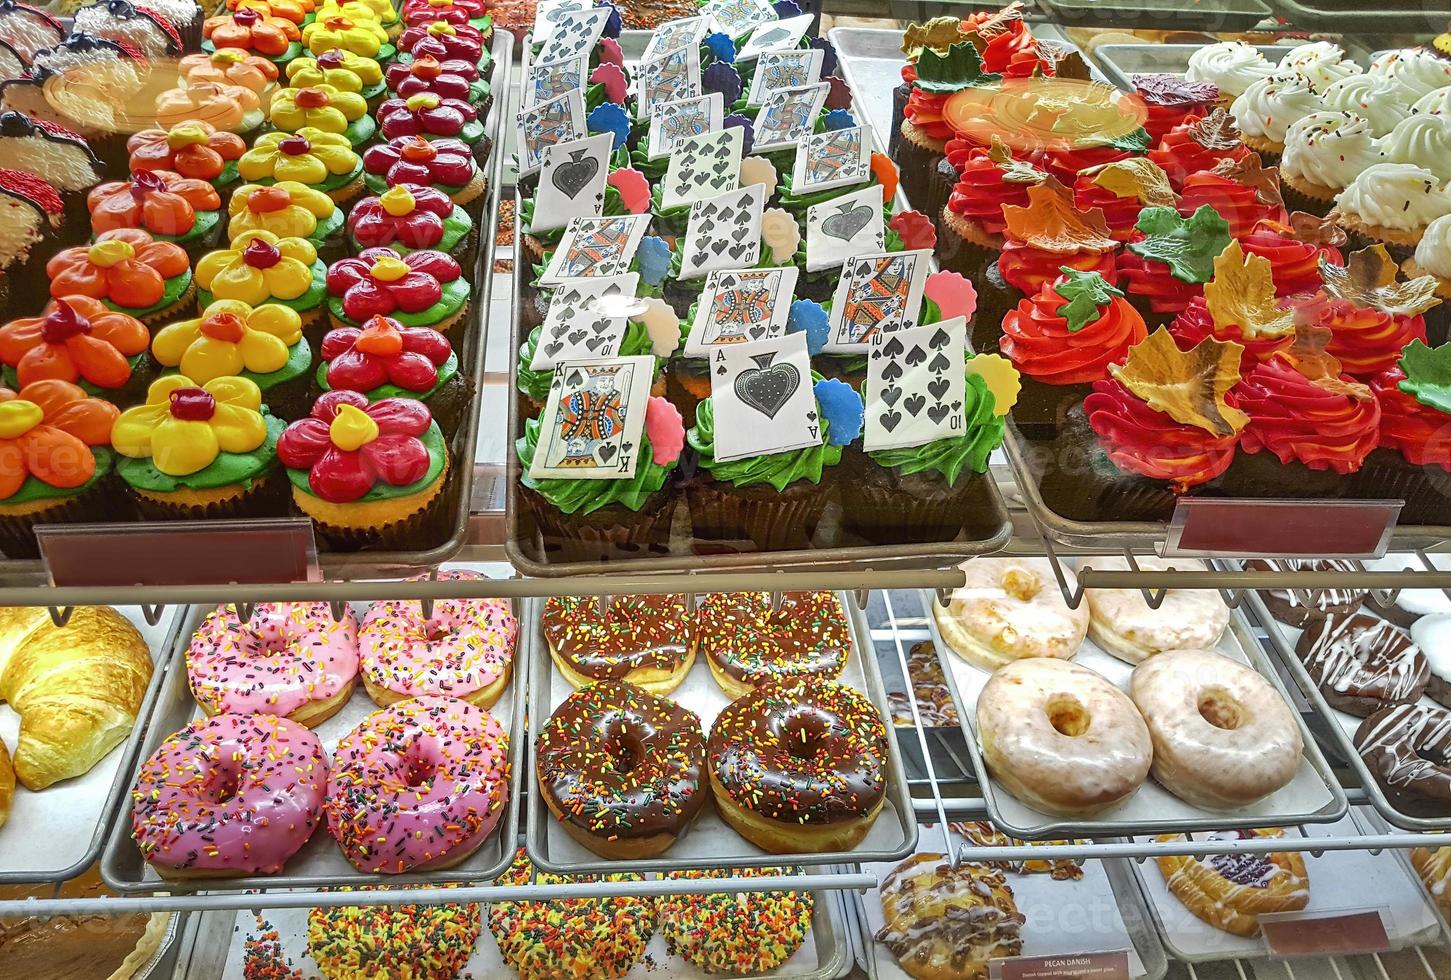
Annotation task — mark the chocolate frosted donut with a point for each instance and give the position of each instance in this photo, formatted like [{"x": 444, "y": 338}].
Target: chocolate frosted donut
[
  {"x": 800, "y": 765},
  {"x": 621, "y": 769},
  {"x": 648, "y": 640},
  {"x": 1300, "y": 607},
  {"x": 1362, "y": 664},
  {"x": 747, "y": 643},
  {"x": 1407, "y": 747}
]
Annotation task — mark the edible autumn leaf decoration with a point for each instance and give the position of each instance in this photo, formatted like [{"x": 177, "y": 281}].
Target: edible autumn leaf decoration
[
  {"x": 1309, "y": 356},
  {"x": 960, "y": 67},
  {"x": 1174, "y": 90},
  {"x": 1368, "y": 279},
  {"x": 1242, "y": 294},
  {"x": 1001, "y": 21},
  {"x": 937, "y": 34},
  {"x": 1084, "y": 295},
  {"x": 1428, "y": 374},
  {"x": 1252, "y": 173},
  {"x": 1015, "y": 171},
  {"x": 1067, "y": 62},
  {"x": 1315, "y": 230},
  {"x": 1134, "y": 141},
  {"x": 1050, "y": 222},
  {"x": 1188, "y": 386},
  {"x": 1137, "y": 177},
  {"x": 1188, "y": 246},
  {"x": 1215, "y": 131}
]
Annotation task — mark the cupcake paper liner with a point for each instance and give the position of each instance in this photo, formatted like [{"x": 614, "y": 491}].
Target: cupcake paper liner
[
  {"x": 103, "y": 502},
  {"x": 770, "y": 519},
  {"x": 610, "y": 533},
  {"x": 424, "y": 529},
  {"x": 262, "y": 499}
]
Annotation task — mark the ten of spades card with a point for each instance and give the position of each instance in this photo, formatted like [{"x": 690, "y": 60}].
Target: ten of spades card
[
  {"x": 763, "y": 397},
  {"x": 587, "y": 318},
  {"x": 593, "y": 248},
  {"x": 723, "y": 232},
  {"x": 557, "y": 121},
  {"x": 835, "y": 158},
  {"x": 703, "y": 166},
  {"x": 876, "y": 294},
  {"x": 741, "y": 305},
  {"x": 547, "y": 82},
  {"x": 784, "y": 69},
  {"x": 736, "y": 17},
  {"x": 591, "y": 426},
  {"x": 572, "y": 181},
  {"x": 788, "y": 116},
  {"x": 843, "y": 227},
  {"x": 778, "y": 36},
  {"x": 671, "y": 36},
  {"x": 575, "y": 33},
  {"x": 671, "y": 121},
  {"x": 916, "y": 385}
]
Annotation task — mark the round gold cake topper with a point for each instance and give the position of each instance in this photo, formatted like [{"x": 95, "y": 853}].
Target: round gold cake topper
[{"x": 1045, "y": 113}]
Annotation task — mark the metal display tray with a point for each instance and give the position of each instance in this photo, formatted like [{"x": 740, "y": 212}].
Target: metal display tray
[
  {"x": 320, "y": 862},
  {"x": 710, "y": 842},
  {"x": 57, "y": 833},
  {"x": 1425, "y": 18},
  {"x": 1341, "y": 725},
  {"x": 1123, "y": 61},
  {"x": 1222, "y": 15},
  {"x": 1313, "y": 796}
]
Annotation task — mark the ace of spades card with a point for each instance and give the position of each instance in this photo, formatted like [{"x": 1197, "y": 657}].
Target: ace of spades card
[
  {"x": 671, "y": 121},
  {"x": 594, "y": 248},
  {"x": 572, "y": 181},
  {"x": 547, "y": 82},
  {"x": 788, "y": 116},
  {"x": 739, "y": 306},
  {"x": 591, "y": 426},
  {"x": 587, "y": 318},
  {"x": 703, "y": 166},
  {"x": 764, "y": 399},
  {"x": 671, "y": 36},
  {"x": 736, "y": 17},
  {"x": 575, "y": 33},
  {"x": 843, "y": 227},
  {"x": 876, "y": 294},
  {"x": 835, "y": 158},
  {"x": 779, "y": 35},
  {"x": 556, "y": 121},
  {"x": 784, "y": 69},
  {"x": 723, "y": 232},
  {"x": 668, "y": 78},
  {"x": 916, "y": 385}
]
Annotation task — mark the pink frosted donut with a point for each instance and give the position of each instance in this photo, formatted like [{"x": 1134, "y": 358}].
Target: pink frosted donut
[
  {"x": 291, "y": 659},
  {"x": 417, "y": 786},
  {"x": 228, "y": 795},
  {"x": 464, "y": 650}
]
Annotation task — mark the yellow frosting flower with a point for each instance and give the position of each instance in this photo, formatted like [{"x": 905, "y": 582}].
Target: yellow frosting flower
[
  {"x": 184, "y": 427},
  {"x": 286, "y": 209},
  {"x": 337, "y": 30},
  {"x": 353, "y": 74},
  {"x": 280, "y": 156},
  {"x": 382, "y": 11},
  {"x": 259, "y": 266},
  {"x": 321, "y": 106},
  {"x": 230, "y": 337}
]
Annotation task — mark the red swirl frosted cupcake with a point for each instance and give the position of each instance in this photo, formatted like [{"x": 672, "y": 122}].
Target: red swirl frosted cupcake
[
  {"x": 1198, "y": 145},
  {"x": 1243, "y": 192},
  {"x": 421, "y": 289},
  {"x": 444, "y": 165},
  {"x": 1370, "y": 315},
  {"x": 988, "y": 179},
  {"x": 1239, "y": 305},
  {"x": 384, "y": 359},
  {"x": 1295, "y": 250},
  {"x": 1173, "y": 100},
  {"x": 1421, "y": 433},
  {"x": 409, "y": 217},
  {"x": 1121, "y": 191},
  {"x": 1008, "y": 45},
  {"x": 1165, "y": 270}
]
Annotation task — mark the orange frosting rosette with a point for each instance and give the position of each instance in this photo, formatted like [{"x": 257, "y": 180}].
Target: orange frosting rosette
[
  {"x": 293, "y": 10},
  {"x": 159, "y": 201},
  {"x": 125, "y": 266},
  {"x": 75, "y": 339},
  {"x": 224, "y": 106},
  {"x": 229, "y": 66},
  {"x": 47, "y": 430},
  {"x": 251, "y": 30},
  {"x": 194, "y": 150}
]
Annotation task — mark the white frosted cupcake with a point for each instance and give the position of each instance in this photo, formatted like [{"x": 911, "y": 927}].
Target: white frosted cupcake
[
  {"x": 1436, "y": 103},
  {"x": 1392, "y": 203},
  {"x": 1322, "y": 62},
  {"x": 1433, "y": 256},
  {"x": 1415, "y": 71},
  {"x": 1269, "y": 106},
  {"x": 1422, "y": 140},
  {"x": 1373, "y": 97},
  {"x": 1232, "y": 65},
  {"x": 1324, "y": 152}
]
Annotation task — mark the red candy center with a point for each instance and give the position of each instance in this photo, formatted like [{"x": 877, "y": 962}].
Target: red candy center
[
  {"x": 295, "y": 146},
  {"x": 145, "y": 182},
  {"x": 332, "y": 59},
  {"x": 192, "y": 404},
  {"x": 260, "y": 255},
  {"x": 246, "y": 17},
  {"x": 62, "y": 323},
  {"x": 311, "y": 98},
  {"x": 224, "y": 326}
]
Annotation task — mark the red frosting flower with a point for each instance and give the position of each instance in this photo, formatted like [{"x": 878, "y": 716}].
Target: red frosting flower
[
  {"x": 406, "y": 214},
  {"x": 377, "y": 282},
  {"x": 1330, "y": 425},
  {"x": 349, "y": 446},
  {"x": 443, "y": 40},
  {"x": 1042, "y": 344},
  {"x": 421, "y": 163},
  {"x": 384, "y": 352},
  {"x": 1421, "y": 433},
  {"x": 424, "y": 115},
  {"x": 454, "y": 12},
  {"x": 446, "y": 79}
]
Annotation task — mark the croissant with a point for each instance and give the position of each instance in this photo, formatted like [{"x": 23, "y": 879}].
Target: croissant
[
  {"x": 77, "y": 688},
  {"x": 7, "y": 784}
]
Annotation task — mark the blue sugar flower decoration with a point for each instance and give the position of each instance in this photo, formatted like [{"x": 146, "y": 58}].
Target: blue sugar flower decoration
[
  {"x": 723, "y": 78},
  {"x": 839, "y": 119},
  {"x": 842, "y": 407},
  {"x": 608, "y": 117},
  {"x": 615, "y": 23},
  {"x": 745, "y": 123},
  {"x": 787, "y": 8},
  {"x": 722, "y": 47},
  {"x": 809, "y": 316},
  {"x": 828, "y": 63},
  {"x": 653, "y": 257}
]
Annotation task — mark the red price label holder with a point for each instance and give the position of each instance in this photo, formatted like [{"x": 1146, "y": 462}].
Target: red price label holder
[
  {"x": 1208, "y": 527},
  {"x": 162, "y": 553},
  {"x": 1345, "y": 933},
  {"x": 1075, "y": 966}
]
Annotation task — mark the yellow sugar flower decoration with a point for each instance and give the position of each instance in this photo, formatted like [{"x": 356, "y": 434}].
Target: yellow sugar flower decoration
[
  {"x": 339, "y": 31},
  {"x": 308, "y": 156},
  {"x": 228, "y": 338},
  {"x": 382, "y": 11},
  {"x": 286, "y": 209},
  {"x": 258, "y": 267},
  {"x": 343, "y": 70},
  {"x": 320, "y": 106},
  {"x": 184, "y": 427}
]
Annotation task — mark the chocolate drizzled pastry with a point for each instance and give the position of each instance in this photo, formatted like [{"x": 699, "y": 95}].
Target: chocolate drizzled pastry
[
  {"x": 1362, "y": 664},
  {"x": 1407, "y": 748},
  {"x": 943, "y": 922},
  {"x": 1300, "y": 607}
]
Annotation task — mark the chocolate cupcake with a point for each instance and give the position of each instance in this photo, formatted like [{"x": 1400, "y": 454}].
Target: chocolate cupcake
[
  {"x": 1301, "y": 607},
  {"x": 1362, "y": 664}
]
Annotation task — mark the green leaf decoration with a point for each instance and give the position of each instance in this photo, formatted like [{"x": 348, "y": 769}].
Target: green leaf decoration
[
  {"x": 1084, "y": 293},
  {"x": 1428, "y": 375},
  {"x": 1135, "y": 142},
  {"x": 1187, "y": 246},
  {"x": 960, "y": 68}
]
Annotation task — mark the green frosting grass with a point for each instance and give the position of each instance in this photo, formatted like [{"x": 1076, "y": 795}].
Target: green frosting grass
[
  {"x": 202, "y": 226},
  {"x": 34, "y": 488},
  {"x": 778, "y": 469},
  {"x": 175, "y": 286},
  {"x": 588, "y": 496}
]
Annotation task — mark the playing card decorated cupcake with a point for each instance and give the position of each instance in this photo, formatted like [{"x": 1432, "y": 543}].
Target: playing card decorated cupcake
[
  {"x": 287, "y": 210},
  {"x": 229, "y": 108},
  {"x": 193, "y": 150},
  {"x": 343, "y": 70},
  {"x": 172, "y": 208},
  {"x": 326, "y": 108},
  {"x": 1169, "y": 266},
  {"x": 421, "y": 289},
  {"x": 337, "y": 31},
  {"x": 128, "y": 271},
  {"x": 384, "y": 359},
  {"x": 409, "y": 217},
  {"x": 451, "y": 79},
  {"x": 275, "y": 38},
  {"x": 1371, "y": 315},
  {"x": 81, "y": 341},
  {"x": 260, "y": 267},
  {"x": 366, "y": 473},
  {"x": 1239, "y": 304},
  {"x": 263, "y": 344},
  {"x": 432, "y": 117},
  {"x": 445, "y": 165}
]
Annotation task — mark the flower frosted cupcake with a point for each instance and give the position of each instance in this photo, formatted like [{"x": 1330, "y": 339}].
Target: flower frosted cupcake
[
  {"x": 288, "y": 210},
  {"x": 407, "y": 218},
  {"x": 384, "y": 359},
  {"x": 326, "y": 108},
  {"x": 320, "y": 160},
  {"x": 1391, "y": 204},
  {"x": 337, "y": 31},
  {"x": 432, "y": 117},
  {"x": 275, "y": 38},
  {"x": 193, "y": 151},
  {"x": 128, "y": 271},
  {"x": 452, "y": 79},
  {"x": 259, "y": 267},
  {"x": 262, "y": 344},
  {"x": 198, "y": 451},
  {"x": 226, "y": 107},
  {"x": 344, "y": 71},
  {"x": 230, "y": 66},
  {"x": 78, "y": 340},
  {"x": 168, "y": 206},
  {"x": 445, "y": 165},
  {"x": 1324, "y": 152},
  {"x": 421, "y": 289},
  {"x": 443, "y": 41},
  {"x": 1268, "y": 107},
  {"x": 474, "y": 13}
]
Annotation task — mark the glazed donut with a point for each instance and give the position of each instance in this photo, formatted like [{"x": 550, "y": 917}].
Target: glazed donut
[
  {"x": 1399, "y": 745},
  {"x": 417, "y": 786},
  {"x": 1432, "y": 636},
  {"x": 1008, "y": 609},
  {"x": 228, "y": 795},
  {"x": 800, "y": 765},
  {"x": 946, "y": 923},
  {"x": 621, "y": 769},
  {"x": 575, "y": 938},
  {"x": 738, "y": 933},
  {"x": 1223, "y": 736},
  {"x": 1362, "y": 664},
  {"x": 1299, "y": 607},
  {"x": 1061, "y": 738},
  {"x": 290, "y": 659},
  {"x": 1232, "y": 891},
  {"x": 464, "y": 650},
  {"x": 1123, "y": 624},
  {"x": 424, "y": 942},
  {"x": 746, "y": 643},
  {"x": 646, "y": 640}
]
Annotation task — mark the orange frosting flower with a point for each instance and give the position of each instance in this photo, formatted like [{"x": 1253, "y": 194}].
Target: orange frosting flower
[
  {"x": 229, "y": 66},
  {"x": 47, "y": 430},
  {"x": 75, "y": 338},
  {"x": 191, "y": 149},
  {"x": 293, "y": 10},
  {"x": 887, "y": 175},
  {"x": 251, "y": 31},
  {"x": 160, "y": 201},
  {"x": 125, "y": 266}
]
